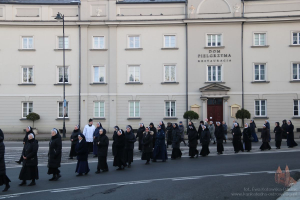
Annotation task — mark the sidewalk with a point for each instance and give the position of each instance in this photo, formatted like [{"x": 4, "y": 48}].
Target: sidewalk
[{"x": 292, "y": 193}]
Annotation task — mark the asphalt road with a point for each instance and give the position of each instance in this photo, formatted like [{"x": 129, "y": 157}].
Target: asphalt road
[{"x": 229, "y": 176}]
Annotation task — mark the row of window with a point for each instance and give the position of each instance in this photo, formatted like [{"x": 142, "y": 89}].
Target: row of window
[{"x": 261, "y": 108}]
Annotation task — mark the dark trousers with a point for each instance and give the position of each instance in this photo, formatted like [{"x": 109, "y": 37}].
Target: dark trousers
[
  {"x": 90, "y": 146},
  {"x": 278, "y": 144},
  {"x": 102, "y": 163}
]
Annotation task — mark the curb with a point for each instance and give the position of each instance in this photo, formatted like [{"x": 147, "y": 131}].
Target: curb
[{"x": 292, "y": 193}]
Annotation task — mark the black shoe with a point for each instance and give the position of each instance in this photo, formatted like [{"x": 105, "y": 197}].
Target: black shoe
[
  {"x": 97, "y": 172},
  {"x": 86, "y": 173},
  {"x": 57, "y": 177},
  {"x": 248, "y": 150},
  {"x": 6, "y": 188},
  {"x": 106, "y": 170},
  {"x": 23, "y": 183},
  {"x": 147, "y": 163},
  {"x": 32, "y": 183},
  {"x": 19, "y": 162},
  {"x": 53, "y": 178},
  {"x": 120, "y": 168},
  {"x": 79, "y": 174},
  {"x": 221, "y": 153}
]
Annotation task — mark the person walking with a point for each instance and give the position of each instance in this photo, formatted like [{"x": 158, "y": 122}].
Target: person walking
[
  {"x": 88, "y": 133},
  {"x": 219, "y": 133},
  {"x": 25, "y": 140},
  {"x": 147, "y": 145},
  {"x": 290, "y": 135},
  {"x": 253, "y": 132},
  {"x": 176, "y": 139},
  {"x": 95, "y": 139},
  {"x": 82, "y": 152},
  {"x": 29, "y": 169},
  {"x": 224, "y": 125},
  {"x": 115, "y": 135},
  {"x": 152, "y": 128},
  {"x": 74, "y": 140},
  {"x": 54, "y": 155},
  {"x": 160, "y": 151},
  {"x": 200, "y": 131},
  {"x": 139, "y": 135},
  {"x": 193, "y": 140},
  {"x": 247, "y": 138},
  {"x": 169, "y": 130},
  {"x": 119, "y": 153},
  {"x": 269, "y": 128},
  {"x": 181, "y": 129},
  {"x": 205, "y": 138},
  {"x": 278, "y": 135},
  {"x": 4, "y": 180},
  {"x": 284, "y": 129},
  {"x": 265, "y": 138},
  {"x": 163, "y": 126},
  {"x": 211, "y": 128},
  {"x": 129, "y": 146},
  {"x": 103, "y": 143},
  {"x": 236, "y": 140}
]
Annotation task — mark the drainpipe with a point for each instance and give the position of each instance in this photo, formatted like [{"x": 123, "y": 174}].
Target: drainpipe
[
  {"x": 242, "y": 59},
  {"x": 79, "y": 76},
  {"x": 186, "y": 61}
]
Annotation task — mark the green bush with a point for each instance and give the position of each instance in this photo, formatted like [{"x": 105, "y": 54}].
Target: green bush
[
  {"x": 33, "y": 117},
  {"x": 243, "y": 114},
  {"x": 190, "y": 115}
]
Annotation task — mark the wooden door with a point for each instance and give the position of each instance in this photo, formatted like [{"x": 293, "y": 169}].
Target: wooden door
[{"x": 215, "y": 110}]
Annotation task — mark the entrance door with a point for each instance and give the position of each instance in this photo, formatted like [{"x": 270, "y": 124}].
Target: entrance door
[{"x": 215, "y": 110}]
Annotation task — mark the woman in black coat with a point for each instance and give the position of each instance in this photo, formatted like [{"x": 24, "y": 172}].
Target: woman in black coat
[
  {"x": 169, "y": 130},
  {"x": 247, "y": 137},
  {"x": 119, "y": 154},
  {"x": 253, "y": 133},
  {"x": 160, "y": 150},
  {"x": 129, "y": 146},
  {"x": 29, "y": 170},
  {"x": 278, "y": 135},
  {"x": 290, "y": 135},
  {"x": 284, "y": 129},
  {"x": 152, "y": 128},
  {"x": 193, "y": 140},
  {"x": 54, "y": 155},
  {"x": 147, "y": 145},
  {"x": 74, "y": 140},
  {"x": 102, "y": 142},
  {"x": 25, "y": 140},
  {"x": 115, "y": 135},
  {"x": 237, "y": 138},
  {"x": 176, "y": 139},
  {"x": 205, "y": 139},
  {"x": 265, "y": 138},
  {"x": 139, "y": 135},
  {"x": 4, "y": 180},
  {"x": 82, "y": 156},
  {"x": 200, "y": 131},
  {"x": 219, "y": 133}
]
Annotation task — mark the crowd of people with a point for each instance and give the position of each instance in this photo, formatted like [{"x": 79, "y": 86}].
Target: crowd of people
[{"x": 153, "y": 144}]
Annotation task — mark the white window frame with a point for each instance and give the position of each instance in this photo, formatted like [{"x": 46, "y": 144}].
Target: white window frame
[
  {"x": 134, "y": 102},
  {"x": 29, "y": 66},
  {"x": 170, "y": 105},
  {"x": 93, "y": 73},
  {"x": 222, "y": 71},
  {"x": 298, "y": 71},
  {"x": 164, "y": 72},
  {"x": 259, "y": 41},
  {"x": 266, "y": 71},
  {"x": 57, "y": 42},
  {"x": 298, "y": 101},
  {"x": 260, "y": 100},
  {"x": 298, "y": 39},
  {"x": 27, "y": 102},
  {"x": 99, "y": 109},
  {"x": 22, "y": 42},
  {"x": 128, "y": 77},
  {"x": 93, "y": 41},
  {"x": 128, "y": 42},
  {"x": 215, "y": 35},
  {"x": 164, "y": 40},
  {"x": 57, "y": 74},
  {"x": 63, "y": 111}
]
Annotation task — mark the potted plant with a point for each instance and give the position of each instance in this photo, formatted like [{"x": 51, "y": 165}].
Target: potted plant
[
  {"x": 243, "y": 114},
  {"x": 33, "y": 117}
]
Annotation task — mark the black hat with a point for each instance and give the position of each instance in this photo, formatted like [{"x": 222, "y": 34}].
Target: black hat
[{"x": 90, "y": 120}]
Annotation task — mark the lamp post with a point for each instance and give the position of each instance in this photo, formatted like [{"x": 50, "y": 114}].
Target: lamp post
[{"x": 60, "y": 17}]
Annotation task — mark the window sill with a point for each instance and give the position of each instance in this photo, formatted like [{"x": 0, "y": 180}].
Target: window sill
[
  {"x": 260, "y": 82},
  {"x": 26, "y": 49},
  {"x": 23, "y": 119},
  {"x": 62, "y": 49},
  {"x": 171, "y": 48},
  {"x": 134, "y": 83},
  {"x": 169, "y": 83},
  {"x": 166, "y": 118},
  {"x": 98, "y": 49},
  {"x": 265, "y": 46},
  {"x": 100, "y": 118},
  {"x": 294, "y": 45},
  {"x": 296, "y": 117},
  {"x": 98, "y": 83},
  {"x": 295, "y": 81},
  {"x": 219, "y": 47},
  {"x": 66, "y": 118},
  {"x": 134, "y": 118},
  {"x": 263, "y": 117},
  {"x": 27, "y": 84},
  {"x": 133, "y": 49},
  {"x": 62, "y": 84},
  {"x": 207, "y": 82}
]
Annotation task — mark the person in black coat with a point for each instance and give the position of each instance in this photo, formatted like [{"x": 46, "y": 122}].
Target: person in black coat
[
  {"x": 265, "y": 138},
  {"x": 160, "y": 150},
  {"x": 29, "y": 170},
  {"x": 25, "y": 140},
  {"x": 169, "y": 130},
  {"x": 284, "y": 129},
  {"x": 152, "y": 128},
  {"x": 237, "y": 138},
  {"x": 193, "y": 140},
  {"x": 176, "y": 139},
  {"x": 163, "y": 126},
  {"x": 129, "y": 146},
  {"x": 54, "y": 155},
  {"x": 253, "y": 133},
  {"x": 4, "y": 180},
  {"x": 247, "y": 137},
  {"x": 115, "y": 135},
  {"x": 278, "y": 135},
  {"x": 200, "y": 130},
  {"x": 290, "y": 135},
  {"x": 74, "y": 140},
  {"x": 205, "y": 139},
  {"x": 147, "y": 145},
  {"x": 102, "y": 142},
  {"x": 119, "y": 154},
  {"x": 219, "y": 133},
  {"x": 82, "y": 152},
  {"x": 139, "y": 135}
]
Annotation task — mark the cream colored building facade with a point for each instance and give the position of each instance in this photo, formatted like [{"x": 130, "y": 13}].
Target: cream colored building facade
[{"x": 136, "y": 61}]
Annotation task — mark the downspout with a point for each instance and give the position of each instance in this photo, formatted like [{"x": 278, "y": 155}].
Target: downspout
[
  {"x": 186, "y": 61},
  {"x": 242, "y": 60},
  {"x": 79, "y": 76}
]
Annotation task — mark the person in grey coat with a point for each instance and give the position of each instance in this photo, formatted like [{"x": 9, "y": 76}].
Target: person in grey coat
[
  {"x": 181, "y": 129},
  {"x": 211, "y": 128}
]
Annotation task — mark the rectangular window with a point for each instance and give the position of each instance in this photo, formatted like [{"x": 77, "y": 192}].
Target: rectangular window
[
  {"x": 27, "y": 74},
  {"x": 61, "y": 42},
  {"x": 63, "y": 109},
  {"x": 214, "y": 40},
  {"x": 170, "y": 41},
  {"x": 170, "y": 73},
  {"x": 214, "y": 73},
  {"x": 99, "y": 74},
  {"x": 260, "y": 72},
  {"x": 260, "y": 107},
  {"x": 61, "y": 74},
  {"x": 98, "y": 42},
  {"x": 296, "y": 38},
  {"x": 259, "y": 39},
  {"x": 134, "y": 109},
  {"x": 27, "y": 107},
  {"x": 296, "y": 107},
  {"x": 296, "y": 71},
  {"x": 170, "y": 108},
  {"x": 134, "y": 41},
  {"x": 134, "y": 74},
  {"x": 27, "y": 42},
  {"x": 99, "y": 109}
]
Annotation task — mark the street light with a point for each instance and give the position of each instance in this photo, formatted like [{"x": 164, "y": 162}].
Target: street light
[{"x": 60, "y": 17}]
